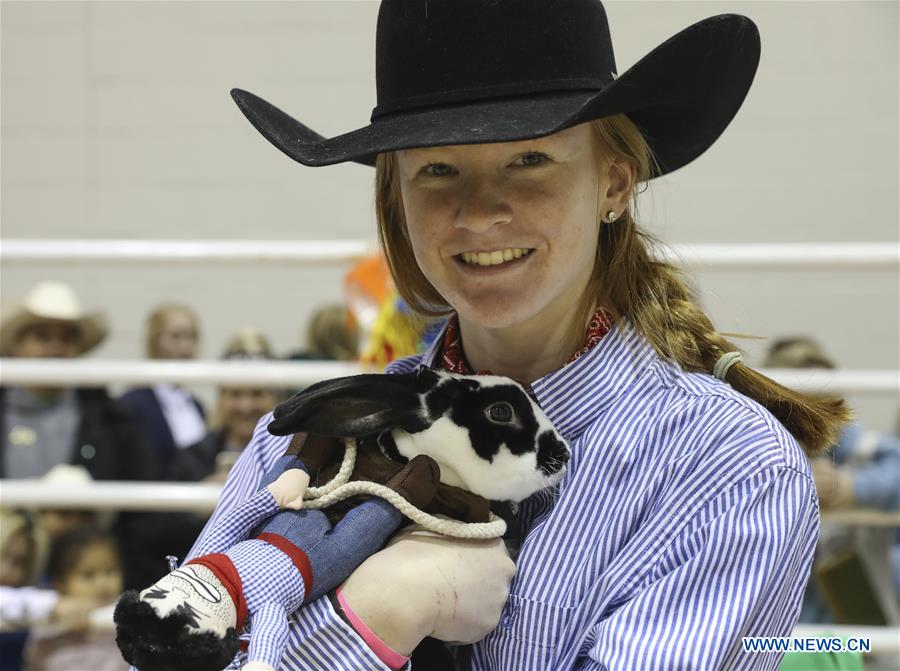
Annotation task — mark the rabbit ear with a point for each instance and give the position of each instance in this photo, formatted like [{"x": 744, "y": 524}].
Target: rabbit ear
[
  {"x": 426, "y": 378},
  {"x": 352, "y": 407}
]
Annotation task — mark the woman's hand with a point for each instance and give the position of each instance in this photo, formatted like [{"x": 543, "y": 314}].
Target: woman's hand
[{"x": 423, "y": 584}]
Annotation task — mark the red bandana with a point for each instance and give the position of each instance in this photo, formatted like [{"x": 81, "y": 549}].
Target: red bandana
[{"x": 453, "y": 359}]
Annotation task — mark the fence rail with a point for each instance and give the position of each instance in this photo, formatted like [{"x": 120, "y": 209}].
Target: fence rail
[
  {"x": 101, "y": 372},
  {"x": 110, "y": 495},
  {"x": 202, "y": 497},
  {"x": 796, "y": 256},
  {"x": 184, "y": 251}
]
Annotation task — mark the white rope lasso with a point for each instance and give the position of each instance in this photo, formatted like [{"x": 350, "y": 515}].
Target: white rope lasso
[
  {"x": 341, "y": 477},
  {"x": 339, "y": 488}
]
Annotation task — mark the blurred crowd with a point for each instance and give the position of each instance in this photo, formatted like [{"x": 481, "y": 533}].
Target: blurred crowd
[
  {"x": 856, "y": 575},
  {"x": 62, "y": 570}
]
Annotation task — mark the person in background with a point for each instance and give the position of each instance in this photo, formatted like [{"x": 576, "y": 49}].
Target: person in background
[
  {"x": 861, "y": 471},
  {"x": 44, "y": 425},
  {"x": 170, "y": 416},
  {"x": 18, "y": 549},
  {"x": 237, "y": 411},
  {"x": 331, "y": 335},
  {"x": 84, "y": 564},
  {"x": 46, "y": 525},
  {"x": 22, "y": 604},
  {"x": 864, "y": 467},
  {"x": 51, "y": 523}
]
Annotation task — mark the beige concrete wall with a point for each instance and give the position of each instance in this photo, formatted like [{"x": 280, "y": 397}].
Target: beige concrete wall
[{"x": 116, "y": 123}]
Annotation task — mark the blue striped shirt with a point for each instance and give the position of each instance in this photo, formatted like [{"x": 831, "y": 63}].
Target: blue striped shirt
[{"x": 686, "y": 521}]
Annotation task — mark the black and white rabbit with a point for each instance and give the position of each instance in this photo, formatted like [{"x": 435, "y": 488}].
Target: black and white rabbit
[{"x": 486, "y": 433}]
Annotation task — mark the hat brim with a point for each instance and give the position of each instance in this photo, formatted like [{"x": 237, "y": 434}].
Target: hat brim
[
  {"x": 682, "y": 95},
  {"x": 93, "y": 327}
]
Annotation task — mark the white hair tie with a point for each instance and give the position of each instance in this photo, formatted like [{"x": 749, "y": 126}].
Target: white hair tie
[{"x": 725, "y": 362}]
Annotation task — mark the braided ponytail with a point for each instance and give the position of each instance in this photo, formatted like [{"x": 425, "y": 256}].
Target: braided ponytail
[{"x": 654, "y": 295}]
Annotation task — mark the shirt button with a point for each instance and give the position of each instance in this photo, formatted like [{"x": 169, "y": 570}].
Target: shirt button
[
  {"x": 508, "y": 618},
  {"x": 88, "y": 451}
]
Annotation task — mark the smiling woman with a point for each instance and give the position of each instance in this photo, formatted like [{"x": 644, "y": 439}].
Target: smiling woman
[
  {"x": 506, "y": 174},
  {"x": 536, "y": 202},
  {"x": 495, "y": 197}
]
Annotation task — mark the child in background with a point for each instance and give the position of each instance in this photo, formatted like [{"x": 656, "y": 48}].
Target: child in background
[
  {"x": 84, "y": 564},
  {"x": 18, "y": 549},
  {"x": 22, "y": 605},
  {"x": 19, "y": 605}
]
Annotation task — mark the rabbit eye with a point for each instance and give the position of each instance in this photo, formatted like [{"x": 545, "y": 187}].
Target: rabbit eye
[{"x": 500, "y": 412}]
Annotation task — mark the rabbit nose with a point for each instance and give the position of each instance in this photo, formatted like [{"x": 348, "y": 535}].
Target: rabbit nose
[{"x": 553, "y": 453}]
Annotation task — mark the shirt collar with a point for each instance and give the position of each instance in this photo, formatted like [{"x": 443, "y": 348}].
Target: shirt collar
[
  {"x": 574, "y": 396},
  {"x": 452, "y": 358},
  {"x": 170, "y": 395},
  {"x": 430, "y": 357}
]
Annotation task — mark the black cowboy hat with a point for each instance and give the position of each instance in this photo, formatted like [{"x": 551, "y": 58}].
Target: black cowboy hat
[{"x": 475, "y": 71}]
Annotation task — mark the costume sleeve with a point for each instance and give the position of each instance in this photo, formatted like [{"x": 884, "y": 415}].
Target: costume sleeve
[
  {"x": 738, "y": 570},
  {"x": 245, "y": 476},
  {"x": 317, "y": 637},
  {"x": 268, "y": 635},
  {"x": 234, "y": 525}
]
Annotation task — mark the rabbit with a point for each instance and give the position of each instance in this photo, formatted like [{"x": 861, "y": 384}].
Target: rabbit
[
  {"x": 486, "y": 435},
  {"x": 485, "y": 432}
]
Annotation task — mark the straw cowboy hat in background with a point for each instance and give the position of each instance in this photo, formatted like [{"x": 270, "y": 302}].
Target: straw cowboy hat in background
[
  {"x": 476, "y": 71},
  {"x": 52, "y": 302}
]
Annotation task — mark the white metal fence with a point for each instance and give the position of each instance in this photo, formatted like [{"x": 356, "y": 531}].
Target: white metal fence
[{"x": 860, "y": 255}]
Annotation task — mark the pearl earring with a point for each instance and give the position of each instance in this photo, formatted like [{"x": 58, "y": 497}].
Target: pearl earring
[{"x": 611, "y": 216}]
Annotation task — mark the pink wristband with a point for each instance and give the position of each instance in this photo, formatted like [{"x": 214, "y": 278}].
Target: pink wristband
[{"x": 381, "y": 649}]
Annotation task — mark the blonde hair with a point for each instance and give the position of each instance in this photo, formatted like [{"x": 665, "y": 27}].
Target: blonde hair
[
  {"x": 330, "y": 334},
  {"x": 156, "y": 323},
  {"x": 248, "y": 344},
  {"x": 652, "y": 293}
]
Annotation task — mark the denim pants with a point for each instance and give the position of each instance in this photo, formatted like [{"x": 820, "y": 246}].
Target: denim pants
[{"x": 333, "y": 553}]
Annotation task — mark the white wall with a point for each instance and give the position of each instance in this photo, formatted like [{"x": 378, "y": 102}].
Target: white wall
[{"x": 116, "y": 123}]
